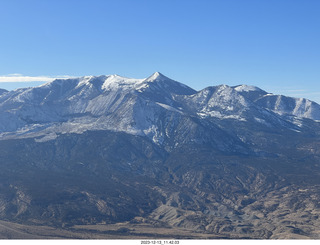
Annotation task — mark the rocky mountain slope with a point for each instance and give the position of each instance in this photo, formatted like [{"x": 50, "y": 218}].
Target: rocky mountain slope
[{"x": 225, "y": 161}]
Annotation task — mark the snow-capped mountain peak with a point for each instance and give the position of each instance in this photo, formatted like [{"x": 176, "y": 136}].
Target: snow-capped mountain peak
[
  {"x": 250, "y": 92},
  {"x": 118, "y": 82},
  {"x": 246, "y": 88},
  {"x": 157, "y": 76},
  {"x": 136, "y": 106}
]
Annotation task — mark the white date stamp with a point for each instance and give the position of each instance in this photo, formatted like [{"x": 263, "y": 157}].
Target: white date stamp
[{"x": 160, "y": 242}]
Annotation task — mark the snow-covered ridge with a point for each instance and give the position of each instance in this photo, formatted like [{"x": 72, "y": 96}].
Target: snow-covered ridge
[
  {"x": 150, "y": 107},
  {"x": 283, "y": 105},
  {"x": 246, "y": 88},
  {"x": 116, "y": 82}
]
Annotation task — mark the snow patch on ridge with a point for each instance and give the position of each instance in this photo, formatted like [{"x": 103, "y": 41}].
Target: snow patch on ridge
[
  {"x": 167, "y": 107},
  {"x": 246, "y": 88},
  {"x": 114, "y": 82}
]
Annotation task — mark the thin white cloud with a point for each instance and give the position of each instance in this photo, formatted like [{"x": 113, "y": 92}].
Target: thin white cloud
[
  {"x": 16, "y": 78},
  {"x": 15, "y": 74}
]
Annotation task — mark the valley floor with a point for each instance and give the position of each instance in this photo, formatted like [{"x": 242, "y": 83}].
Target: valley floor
[{"x": 10, "y": 230}]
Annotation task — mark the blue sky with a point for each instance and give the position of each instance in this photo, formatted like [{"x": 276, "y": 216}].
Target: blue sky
[{"x": 273, "y": 44}]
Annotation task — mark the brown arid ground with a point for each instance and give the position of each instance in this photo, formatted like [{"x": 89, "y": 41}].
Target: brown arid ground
[
  {"x": 9, "y": 230},
  {"x": 126, "y": 230}
]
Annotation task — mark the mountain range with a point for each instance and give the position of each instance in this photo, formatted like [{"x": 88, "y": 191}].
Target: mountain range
[{"x": 225, "y": 161}]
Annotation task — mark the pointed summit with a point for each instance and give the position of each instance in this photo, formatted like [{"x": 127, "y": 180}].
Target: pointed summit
[
  {"x": 166, "y": 84},
  {"x": 157, "y": 76}
]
